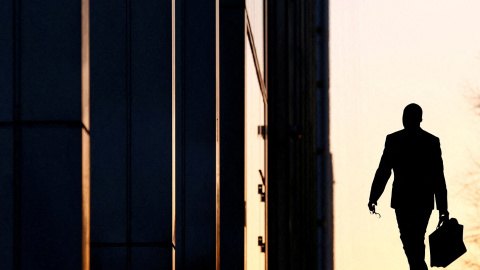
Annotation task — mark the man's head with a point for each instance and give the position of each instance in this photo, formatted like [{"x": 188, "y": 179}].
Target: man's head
[{"x": 412, "y": 116}]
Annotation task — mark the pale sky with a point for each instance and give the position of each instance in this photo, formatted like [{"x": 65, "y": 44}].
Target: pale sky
[{"x": 384, "y": 55}]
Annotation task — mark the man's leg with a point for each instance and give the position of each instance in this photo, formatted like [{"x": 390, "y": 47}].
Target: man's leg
[{"x": 412, "y": 225}]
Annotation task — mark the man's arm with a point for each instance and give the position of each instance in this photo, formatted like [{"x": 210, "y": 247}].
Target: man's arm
[
  {"x": 382, "y": 175},
  {"x": 440, "y": 187}
]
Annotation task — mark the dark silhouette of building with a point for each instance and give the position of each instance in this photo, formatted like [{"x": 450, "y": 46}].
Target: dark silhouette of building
[{"x": 165, "y": 134}]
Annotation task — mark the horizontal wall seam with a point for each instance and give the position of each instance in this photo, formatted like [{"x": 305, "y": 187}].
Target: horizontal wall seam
[
  {"x": 132, "y": 244},
  {"x": 59, "y": 123}
]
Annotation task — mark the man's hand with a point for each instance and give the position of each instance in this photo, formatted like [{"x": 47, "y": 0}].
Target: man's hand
[
  {"x": 443, "y": 216},
  {"x": 371, "y": 206}
]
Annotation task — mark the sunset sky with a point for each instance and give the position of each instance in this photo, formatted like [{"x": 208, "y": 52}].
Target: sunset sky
[{"x": 383, "y": 56}]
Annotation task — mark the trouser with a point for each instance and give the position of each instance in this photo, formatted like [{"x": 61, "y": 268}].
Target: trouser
[{"x": 412, "y": 224}]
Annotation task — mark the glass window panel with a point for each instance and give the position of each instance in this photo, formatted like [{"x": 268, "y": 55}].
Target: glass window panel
[
  {"x": 51, "y": 197},
  {"x": 6, "y": 58},
  {"x": 109, "y": 258},
  {"x": 151, "y": 122},
  {"x": 50, "y": 60},
  {"x": 108, "y": 124},
  {"x": 152, "y": 258},
  {"x": 6, "y": 197}
]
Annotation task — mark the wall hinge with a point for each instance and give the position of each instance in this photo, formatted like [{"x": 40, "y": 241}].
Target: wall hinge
[
  {"x": 262, "y": 130},
  {"x": 261, "y": 244},
  {"x": 262, "y": 176},
  {"x": 261, "y": 192}
]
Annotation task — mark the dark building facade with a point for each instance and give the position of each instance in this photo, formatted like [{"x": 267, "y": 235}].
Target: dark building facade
[{"x": 165, "y": 135}]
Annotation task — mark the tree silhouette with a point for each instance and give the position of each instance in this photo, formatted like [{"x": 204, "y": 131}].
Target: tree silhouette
[{"x": 471, "y": 195}]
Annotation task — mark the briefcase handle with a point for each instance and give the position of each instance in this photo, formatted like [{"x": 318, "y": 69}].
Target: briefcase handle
[
  {"x": 375, "y": 213},
  {"x": 442, "y": 222}
]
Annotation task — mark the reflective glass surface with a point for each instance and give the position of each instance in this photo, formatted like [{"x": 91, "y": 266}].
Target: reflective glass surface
[{"x": 6, "y": 197}]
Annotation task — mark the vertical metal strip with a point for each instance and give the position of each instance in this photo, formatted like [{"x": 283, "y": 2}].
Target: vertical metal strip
[
  {"x": 174, "y": 243},
  {"x": 182, "y": 128},
  {"x": 128, "y": 80},
  {"x": 265, "y": 116},
  {"x": 85, "y": 81},
  {"x": 217, "y": 142},
  {"x": 245, "y": 74},
  {"x": 85, "y": 199},
  {"x": 17, "y": 134},
  {"x": 85, "y": 134}
]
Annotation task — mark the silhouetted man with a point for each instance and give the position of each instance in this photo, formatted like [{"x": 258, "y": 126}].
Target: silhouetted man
[{"x": 416, "y": 160}]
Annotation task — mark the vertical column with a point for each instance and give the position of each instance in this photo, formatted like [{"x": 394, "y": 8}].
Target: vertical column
[
  {"x": 196, "y": 131},
  {"x": 232, "y": 143},
  {"x": 292, "y": 145},
  {"x": 278, "y": 139},
  {"x": 324, "y": 158}
]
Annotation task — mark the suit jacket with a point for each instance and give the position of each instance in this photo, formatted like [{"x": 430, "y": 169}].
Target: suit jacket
[{"x": 416, "y": 159}]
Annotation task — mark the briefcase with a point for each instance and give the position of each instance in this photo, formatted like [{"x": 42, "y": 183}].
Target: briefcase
[{"x": 446, "y": 243}]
